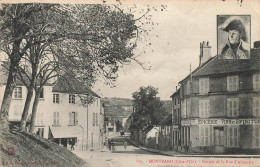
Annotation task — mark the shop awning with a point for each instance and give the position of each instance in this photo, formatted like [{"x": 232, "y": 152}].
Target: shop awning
[{"x": 66, "y": 131}]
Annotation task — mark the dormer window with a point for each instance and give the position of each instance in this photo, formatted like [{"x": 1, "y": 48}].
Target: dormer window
[
  {"x": 203, "y": 85},
  {"x": 232, "y": 83}
]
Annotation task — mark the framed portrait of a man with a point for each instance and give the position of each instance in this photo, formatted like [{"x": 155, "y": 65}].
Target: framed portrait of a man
[{"x": 233, "y": 36}]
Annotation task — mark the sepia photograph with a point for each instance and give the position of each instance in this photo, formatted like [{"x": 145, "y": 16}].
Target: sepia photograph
[
  {"x": 233, "y": 37},
  {"x": 119, "y": 83}
]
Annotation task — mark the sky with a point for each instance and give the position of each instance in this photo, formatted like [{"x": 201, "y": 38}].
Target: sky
[
  {"x": 180, "y": 30},
  {"x": 174, "y": 41}
]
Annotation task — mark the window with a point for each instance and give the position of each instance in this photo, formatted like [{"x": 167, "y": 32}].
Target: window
[
  {"x": 56, "y": 118},
  {"x": 18, "y": 92},
  {"x": 256, "y": 81},
  {"x": 56, "y": 98},
  {"x": 42, "y": 93},
  {"x": 256, "y": 137},
  {"x": 73, "y": 120},
  {"x": 203, "y": 85},
  {"x": 72, "y": 99},
  {"x": 204, "y": 108},
  {"x": 233, "y": 136},
  {"x": 232, "y": 83},
  {"x": 204, "y": 135},
  {"x": 233, "y": 107},
  {"x": 256, "y": 107},
  {"x": 39, "y": 118}
]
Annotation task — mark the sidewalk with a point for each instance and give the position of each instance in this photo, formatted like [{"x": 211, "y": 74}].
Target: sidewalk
[
  {"x": 163, "y": 152},
  {"x": 181, "y": 154}
]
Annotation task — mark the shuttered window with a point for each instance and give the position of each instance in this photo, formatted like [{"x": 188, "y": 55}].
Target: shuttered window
[
  {"x": 232, "y": 83},
  {"x": 256, "y": 81},
  {"x": 204, "y": 135},
  {"x": 203, "y": 85},
  {"x": 73, "y": 118},
  {"x": 256, "y": 107},
  {"x": 256, "y": 136},
  {"x": 233, "y": 136},
  {"x": 56, "y": 118},
  {"x": 204, "y": 108},
  {"x": 233, "y": 107}
]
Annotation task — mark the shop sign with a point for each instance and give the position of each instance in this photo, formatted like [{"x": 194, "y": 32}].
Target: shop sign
[{"x": 223, "y": 121}]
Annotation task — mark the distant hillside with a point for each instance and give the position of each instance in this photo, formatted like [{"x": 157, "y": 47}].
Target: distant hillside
[
  {"x": 122, "y": 107},
  {"x": 119, "y": 107}
]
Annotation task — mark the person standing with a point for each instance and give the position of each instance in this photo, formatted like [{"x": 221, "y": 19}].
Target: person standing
[{"x": 125, "y": 144}]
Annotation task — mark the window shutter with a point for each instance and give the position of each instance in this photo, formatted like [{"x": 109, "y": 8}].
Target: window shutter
[
  {"x": 229, "y": 105},
  {"x": 206, "y": 86},
  {"x": 201, "y": 135},
  {"x": 54, "y": 118},
  {"x": 70, "y": 118},
  {"x": 76, "y": 118},
  {"x": 58, "y": 118},
  {"x": 201, "y": 109},
  {"x": 208, "y": 111},
  {"x": 206, "y": 136},
  {"x": 200, "y": 85}
]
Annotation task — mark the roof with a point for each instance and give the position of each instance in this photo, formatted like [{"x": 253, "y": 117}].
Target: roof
[
  {"x": 65, "y": 85},
  {"x": 4, "y": 77},
  {"x": 167, "y": 120},
  {"x": 66, "y": 132},
  {"x": 177, "y": 93},
  {"x": 216, "y": 66}
]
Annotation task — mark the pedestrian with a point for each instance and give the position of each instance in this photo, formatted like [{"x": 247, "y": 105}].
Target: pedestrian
[
  {"x": 72, "y": 144},
  {"x": 125, "y": 144}
]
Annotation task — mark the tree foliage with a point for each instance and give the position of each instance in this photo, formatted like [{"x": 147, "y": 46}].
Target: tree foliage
[
  {"x": 86, "y": 42},
  {"x": 148, "y": 109}
]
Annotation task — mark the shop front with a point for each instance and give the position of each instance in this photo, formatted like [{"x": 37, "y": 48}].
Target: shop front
[{"x": 220, "y": 136}]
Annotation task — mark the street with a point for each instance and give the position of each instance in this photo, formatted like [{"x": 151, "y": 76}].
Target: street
[{"x": 132, "y": 156}]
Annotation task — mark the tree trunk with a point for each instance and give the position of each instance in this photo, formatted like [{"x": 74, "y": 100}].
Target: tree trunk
[
  {"x": 10, "y": 85},
  {"x": 34, "y": 110},
  {"x": 26, "y": 108}
]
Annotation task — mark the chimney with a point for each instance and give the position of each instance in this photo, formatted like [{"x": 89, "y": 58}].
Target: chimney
[{"x": 205, "y": 52}]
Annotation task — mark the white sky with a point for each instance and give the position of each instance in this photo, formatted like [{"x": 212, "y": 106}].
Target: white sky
[{"x": 181, "y": 29}]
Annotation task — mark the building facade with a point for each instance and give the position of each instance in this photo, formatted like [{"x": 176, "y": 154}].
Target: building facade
[
  {"x": 61, "y": 116},
  {"x": 220, "y": 105},
  {"x": 176, "y": 119}
]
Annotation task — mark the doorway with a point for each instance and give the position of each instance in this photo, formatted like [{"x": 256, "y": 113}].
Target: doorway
[{"x": 219, "y": 139}]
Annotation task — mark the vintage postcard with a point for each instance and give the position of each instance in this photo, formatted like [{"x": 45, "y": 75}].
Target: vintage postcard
[{"x": 130, "y": 83}]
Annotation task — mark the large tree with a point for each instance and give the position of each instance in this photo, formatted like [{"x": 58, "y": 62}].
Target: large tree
[
  {"x": 87, "y": 41},
  {"x": 148, "y": 109}
]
